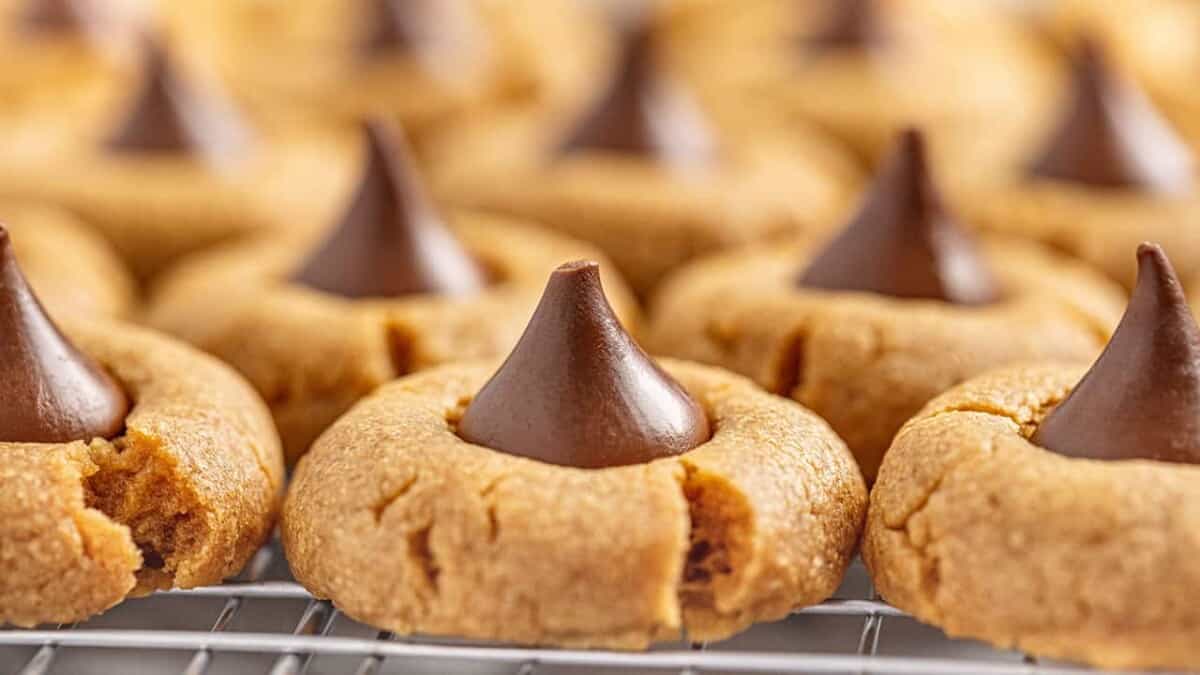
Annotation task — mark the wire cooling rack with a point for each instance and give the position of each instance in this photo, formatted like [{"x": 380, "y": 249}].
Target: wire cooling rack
[{"x": 265, "y": 623}]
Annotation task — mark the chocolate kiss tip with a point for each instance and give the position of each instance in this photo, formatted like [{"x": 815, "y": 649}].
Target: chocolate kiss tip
[
  {"x": 902, "y": 242},
  {"x": 53, "y": 16},
  {"x": 1141, "y": 398},
  {"x": 390, "y": 241},
  {"x": 154, "y": 123},
  {"x": 52, "y": 392},
  {"x": 416, "y": 27},
  {"x": 578, "y": 391},
  {"x": 1110, "y": 135},
  {"x": 386, "y": 27},
  {"x": 849, "y": 24},
  {"x": 643, "y": 113},
  {"x": 166, "y": 116}
]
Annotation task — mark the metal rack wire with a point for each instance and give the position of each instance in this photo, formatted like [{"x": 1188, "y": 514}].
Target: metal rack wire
[{"x": 842, "y": 635}]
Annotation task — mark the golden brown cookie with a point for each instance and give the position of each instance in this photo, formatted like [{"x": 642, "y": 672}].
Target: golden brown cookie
[
  {"x": 867, "y": 362},
  {"x": 1150, "y": 39},
  {"x": 312, "y": 354},
  {"x": 407, "y": 526},
  {"x": 861, "y": 69},
  {"x": 1079, "y": 493},
  {"x": 977, "y": 530},
  {"x": 181, "y": 497},
  {"x": 648, "y": 218},
  {"x": 163, "y": 166},
  {"x": 1103, "y": 174},
  {"x": 420, "y": 63},
  {"x": 73, "y": 270}
]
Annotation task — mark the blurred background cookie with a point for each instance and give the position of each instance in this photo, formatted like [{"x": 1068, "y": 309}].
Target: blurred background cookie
[
  {"x": 72, "y": 269},
  {"x": 644, "y": 173}
]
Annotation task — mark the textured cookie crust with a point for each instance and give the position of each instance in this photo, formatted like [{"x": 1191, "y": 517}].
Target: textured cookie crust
[
  {"x": 866, "y": 363},
  {"x": 72, "y": 269},
  {"x": 752, "y": 54},
  {"x": 647, "y": 218},
  {"x": 541, "y": 53},
  {"x": 406, "y": 526},
  {"x": 975, "y": 530},
  {"x": 311, "y": 355},
  {"x": 182, "y": 498}
]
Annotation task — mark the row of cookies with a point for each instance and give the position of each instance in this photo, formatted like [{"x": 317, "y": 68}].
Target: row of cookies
[
  {"x": 723, "y": 598},
  {"x": 688, "y": 499},
  {"x": 164, "y": 151},
  {"x": 466, "y": 484},
  {"x": 903, "y": 198},
  {"x": 653, "y": 202}
]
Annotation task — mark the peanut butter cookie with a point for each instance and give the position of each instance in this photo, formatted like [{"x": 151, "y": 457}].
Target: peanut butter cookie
[
  {"x": 1037, "y": 510},
  {"x": 128, "y": 463},
  {"x": 1109, "y": 173},
  {"x": 582, "y": 496},
  {"x": 864, "y": 329}
]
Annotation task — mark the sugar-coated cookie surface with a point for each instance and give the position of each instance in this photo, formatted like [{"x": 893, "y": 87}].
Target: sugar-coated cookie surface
[{"x": 406, "y": 526}]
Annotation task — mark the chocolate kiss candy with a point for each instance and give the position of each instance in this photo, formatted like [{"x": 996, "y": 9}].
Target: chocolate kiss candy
[
  {"x": 1141, "y": 398},
  {"x": 903, "y": 242},
  {"x": 390, "y": 240},
  {"x": 415, "y": 26},
  {"x": 53, "y": 16},
  {"x": 644, "y": 113},
  {"x": 850, "y": 24},
  {"x": 166, "y": 116},
  {"x": 578, "y": 391},
  {"x": 1110, "y": 136},
  {"x": 51, "y": 392},
  {"x": 388, "y": 26}
]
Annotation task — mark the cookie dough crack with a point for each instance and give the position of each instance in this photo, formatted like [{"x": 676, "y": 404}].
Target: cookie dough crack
[
  {"x": 138, "y": 484},
  {"x": 1026, "y": 419},
  {"x": 487, "y": 494},
  {"x": 720, "y": 540},
  {"x": 392, "y": 497},
  {"x": 789, "y": 368},
  {"x": 421, "y": 555},
  {"x": 982, "y": 409},
  {"x": 929, "y": 563}
]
